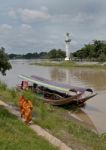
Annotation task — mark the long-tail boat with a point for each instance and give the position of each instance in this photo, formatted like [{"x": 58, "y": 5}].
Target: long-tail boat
[{"x": 56, "y": 93}]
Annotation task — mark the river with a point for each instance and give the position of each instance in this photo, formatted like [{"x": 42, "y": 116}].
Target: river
[{"x": 94, "y": 111}]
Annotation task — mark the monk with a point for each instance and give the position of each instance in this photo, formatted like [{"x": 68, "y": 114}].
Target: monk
[
  {"x": 27, "y": 107},
  {"x": 21, "y": 101}
]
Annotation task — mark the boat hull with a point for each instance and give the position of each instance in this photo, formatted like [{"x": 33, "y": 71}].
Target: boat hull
[
  {"x": 68, "y": 101},
  {"x": 58, "y": 100}
]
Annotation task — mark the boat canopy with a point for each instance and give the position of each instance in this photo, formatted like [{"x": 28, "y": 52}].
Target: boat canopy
[{"x": 54, "y": 85}]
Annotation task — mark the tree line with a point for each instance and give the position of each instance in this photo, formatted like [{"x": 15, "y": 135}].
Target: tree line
[
  {"x": 52, "y": 54},
  {"x": 95, "y": 51}
]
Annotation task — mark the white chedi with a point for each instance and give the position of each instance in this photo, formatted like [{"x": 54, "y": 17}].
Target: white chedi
[{"x": 67, "y": 41}]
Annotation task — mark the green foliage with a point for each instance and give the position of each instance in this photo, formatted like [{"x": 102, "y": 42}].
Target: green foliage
[
  {"x": 96, "y": 51},
  {"x": 3, "y": 86},
  {"x": 13, "y": 93},
  {"x": 42, "y": 55},
  {"x": 29, "y": 95},
  {"x": 42, "y": 110},
  {"x": 56, "y": 54},
  {"x": 30, "y": 55},
  {"x": 102, "y": 57},
  {"x": 4, "y": 61}
]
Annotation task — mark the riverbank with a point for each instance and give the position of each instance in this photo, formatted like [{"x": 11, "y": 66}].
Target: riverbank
[
  {"x": 57, "y": 121},
  {"x": 58, "y": 144},
  {"x": 14, "y": 135},
  {"x": 71, "y": 64}
]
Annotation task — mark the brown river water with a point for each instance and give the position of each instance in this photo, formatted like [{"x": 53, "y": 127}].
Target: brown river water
[{"x": 94, "y": 112}]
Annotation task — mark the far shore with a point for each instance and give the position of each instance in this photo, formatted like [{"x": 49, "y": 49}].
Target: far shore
[{"x": 82, "y": 64}]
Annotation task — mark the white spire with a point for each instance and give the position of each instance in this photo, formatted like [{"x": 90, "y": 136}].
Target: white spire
[{"x": 67, "y": 41}]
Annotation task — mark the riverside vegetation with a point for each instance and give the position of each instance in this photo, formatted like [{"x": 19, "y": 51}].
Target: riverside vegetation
[
  {"x": 14, "y": 135},
  {"x": 53, "y": 119},
  {"x": 70, "y": 64}
]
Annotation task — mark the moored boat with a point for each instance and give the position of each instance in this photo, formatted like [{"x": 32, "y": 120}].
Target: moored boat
[{"x": 56, "y": 93}]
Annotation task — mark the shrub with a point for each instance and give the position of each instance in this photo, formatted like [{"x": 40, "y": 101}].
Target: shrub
[{"x": 3, "y": 86}]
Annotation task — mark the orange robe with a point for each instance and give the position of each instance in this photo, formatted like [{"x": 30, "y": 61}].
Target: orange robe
[
  {"x": 27, "y": 107},
  {"x": 21, "y": 101}
]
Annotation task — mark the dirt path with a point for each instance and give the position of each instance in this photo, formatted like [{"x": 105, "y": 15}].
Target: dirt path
[{"x": 40, "y": 131}]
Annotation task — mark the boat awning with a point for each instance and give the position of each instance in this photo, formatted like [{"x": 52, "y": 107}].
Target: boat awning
[{"x": 54, "y": 85}]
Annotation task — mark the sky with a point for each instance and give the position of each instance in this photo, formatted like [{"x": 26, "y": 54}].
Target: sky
[{"x": 41, "y": 25}]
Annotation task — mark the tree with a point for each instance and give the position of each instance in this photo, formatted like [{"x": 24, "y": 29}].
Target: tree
[
  {"x": 4, "y": 61},
  {"x": 96, "y": 50},
  {"x": 102, "y": 57},
  {"x": 52, "y": 54},
  {"x": 98, "y": 46},
  {"x": 61, "y": 54},
  {"x": 43, "y": 55},
  {"x": 12, "y": 56},
  {"x": 56, "y": 54}
]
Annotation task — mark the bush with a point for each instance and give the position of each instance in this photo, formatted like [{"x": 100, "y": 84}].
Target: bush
[
  {"x": 102, "y": 58},
  {"x": 3, "y": 86},
  {"x": 13, "y": 93}
]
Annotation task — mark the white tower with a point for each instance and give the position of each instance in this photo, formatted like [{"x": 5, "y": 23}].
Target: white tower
[{"x": 67, "y": 41}]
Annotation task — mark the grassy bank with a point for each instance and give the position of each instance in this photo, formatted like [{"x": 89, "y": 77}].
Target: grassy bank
[
  {"x": 70, "y": 64},
  {"x": 14, "y": 135},
  {"x": 57, "y": 121}
]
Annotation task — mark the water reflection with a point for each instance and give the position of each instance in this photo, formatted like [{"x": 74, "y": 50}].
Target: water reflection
[
  {"x": 94, "y": 77},
  {"x": 57, "y": 75},
  {"x": 89, "y": 77}
]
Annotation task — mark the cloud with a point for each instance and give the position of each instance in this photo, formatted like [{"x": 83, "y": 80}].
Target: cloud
[
  {"x": 77, "y": 18},
  {"x": 44, "y": 8},
  {"x": 5, "y": 27},
  {"x": 26, "y": 26},
  {"x": 42, "y": 24},
  {"x": 12, "y": 14},
  {"x": 30, "y": 16}
]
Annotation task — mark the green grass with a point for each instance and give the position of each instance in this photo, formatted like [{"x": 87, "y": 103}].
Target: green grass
[
  {"x": 57, "y": 121},
  {"x": 14, "y": 135},
  {"x": 3, "y": 86},
  {"x": 73, "y": 133}
]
